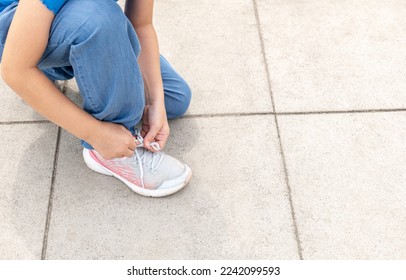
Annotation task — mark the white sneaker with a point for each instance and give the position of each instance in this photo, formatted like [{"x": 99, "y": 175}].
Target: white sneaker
[{"x": 146, "y": 173}]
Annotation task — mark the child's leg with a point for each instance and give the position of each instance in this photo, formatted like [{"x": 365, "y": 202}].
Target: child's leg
[
  {"x": 177, "y": 91},
  {"x": 59, "y": 73},
  {"x": 96, "y": 40}
]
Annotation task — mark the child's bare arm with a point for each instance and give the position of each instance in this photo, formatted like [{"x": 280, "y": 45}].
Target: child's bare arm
[
  {"x": 155, "y": 126},
  {"x": 26, "y": 41}
]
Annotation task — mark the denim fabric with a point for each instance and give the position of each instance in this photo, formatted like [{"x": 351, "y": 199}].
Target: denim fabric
[{"x": 93, "y": 41}]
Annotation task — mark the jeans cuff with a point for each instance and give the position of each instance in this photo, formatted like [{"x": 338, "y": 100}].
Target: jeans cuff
[{"x": 86, "y": 145}]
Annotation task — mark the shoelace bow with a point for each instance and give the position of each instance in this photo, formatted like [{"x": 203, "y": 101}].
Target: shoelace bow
[{"x": 156, "y": 160}]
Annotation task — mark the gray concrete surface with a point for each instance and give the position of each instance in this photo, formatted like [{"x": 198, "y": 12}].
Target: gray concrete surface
[
  {"x": 27, "y": 158},
  {"x": 13, "y": 108},
  {"x": 347, "y": 174},
  {"x": 214, "y": 45},
  {"x": 296, "y": 136},
  {"x": 335, "y": 55}
]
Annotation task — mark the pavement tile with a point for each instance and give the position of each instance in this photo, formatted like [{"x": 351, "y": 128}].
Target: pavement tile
[
  {"x": 236, "y": 206},
  {"x": 217, "y": 52},
  {"x": 13, "y": 107},
  {"x": 335, "y": 55},
  {"x": 347, "y": 174},
  {"x": 26, "y": 154}
]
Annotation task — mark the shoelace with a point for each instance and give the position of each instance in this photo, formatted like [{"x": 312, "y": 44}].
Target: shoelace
[{"x": 156, "y": 160}]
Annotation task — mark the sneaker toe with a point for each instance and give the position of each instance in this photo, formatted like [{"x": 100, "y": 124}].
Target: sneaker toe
[{"x": 179, "y": 181}]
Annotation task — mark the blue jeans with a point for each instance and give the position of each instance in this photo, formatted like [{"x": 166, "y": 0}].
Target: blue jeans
[{"x": 93, "y": 41}]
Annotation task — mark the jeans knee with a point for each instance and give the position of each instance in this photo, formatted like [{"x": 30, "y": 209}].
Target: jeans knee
[
  {"x": 187, "y": 97},
  {"x": 78, "y": 20},
  {"x": 180, "y": 104}
]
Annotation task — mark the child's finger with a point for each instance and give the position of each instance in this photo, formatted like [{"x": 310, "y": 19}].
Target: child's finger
[
  {"x": 161, "y": 144},
  {"x": 150, "y": 137}
]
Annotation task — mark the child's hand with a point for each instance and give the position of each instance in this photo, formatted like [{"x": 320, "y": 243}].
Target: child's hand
[
  {"x": 112, "y": 140},
  {"x": 155, "y": 126}
]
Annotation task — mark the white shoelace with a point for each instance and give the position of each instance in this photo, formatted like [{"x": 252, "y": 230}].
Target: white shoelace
[{"x": 156, "y": 160}]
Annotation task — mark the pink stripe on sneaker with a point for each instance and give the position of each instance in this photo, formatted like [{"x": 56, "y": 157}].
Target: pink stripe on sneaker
[{"x": 123, "y": 170}]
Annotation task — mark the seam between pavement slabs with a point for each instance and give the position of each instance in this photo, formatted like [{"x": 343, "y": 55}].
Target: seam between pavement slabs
[
  {"x": 51, "y": 196},
  {"x": 337, "y": 112},
  {"x": 266, "y": 65},
  {"x": 24, "y": 122}
]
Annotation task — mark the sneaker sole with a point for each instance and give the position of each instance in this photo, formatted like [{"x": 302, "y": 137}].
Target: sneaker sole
[{"x": 179, "y": 181}]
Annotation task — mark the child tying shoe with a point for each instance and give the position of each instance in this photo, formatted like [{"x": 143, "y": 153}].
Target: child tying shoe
[{"x": 122, "y": 78}]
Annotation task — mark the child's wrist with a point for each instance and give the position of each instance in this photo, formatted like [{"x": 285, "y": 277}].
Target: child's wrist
[
  {"x": 155, "y": 97},
  {"x": 92, "y": 131}
]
